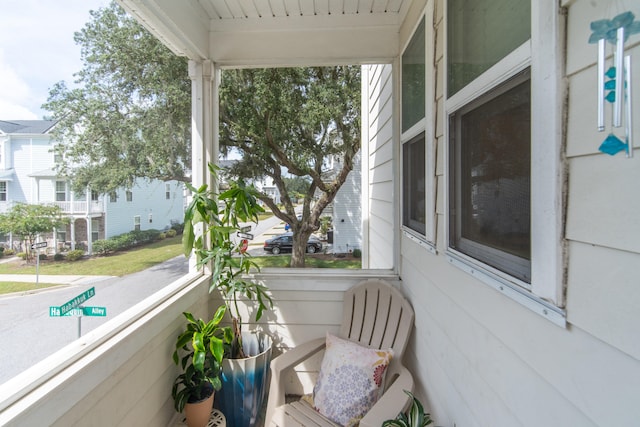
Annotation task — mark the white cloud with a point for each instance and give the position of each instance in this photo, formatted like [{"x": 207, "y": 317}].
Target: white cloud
[
  {"x": 14, "y": 94},
  {"x": 37, "y": 50}
]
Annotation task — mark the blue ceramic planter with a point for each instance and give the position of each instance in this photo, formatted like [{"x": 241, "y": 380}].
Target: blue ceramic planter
[{"x": 244, "y": 382}]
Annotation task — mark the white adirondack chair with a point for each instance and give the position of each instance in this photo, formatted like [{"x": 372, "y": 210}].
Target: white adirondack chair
[{"x": 375, "y": 314}]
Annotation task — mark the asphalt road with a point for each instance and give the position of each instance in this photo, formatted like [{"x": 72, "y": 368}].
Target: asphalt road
[{"x": 28, "y": 334}]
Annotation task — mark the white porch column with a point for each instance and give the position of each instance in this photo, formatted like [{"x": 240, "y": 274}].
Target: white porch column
[
  {"x": 73, "y": 234},
  {"x": 204, "y": 123},
  {"x": 89, "y": 234}
]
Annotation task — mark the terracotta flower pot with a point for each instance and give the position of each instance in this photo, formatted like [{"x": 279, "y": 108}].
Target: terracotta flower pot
[{"x": 198, "y": 413}]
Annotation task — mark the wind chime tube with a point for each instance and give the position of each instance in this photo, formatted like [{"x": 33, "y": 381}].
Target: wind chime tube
[
  {"x": 617, "y": 106},
  {"x": 601, "y": 46},
  {"x": 629, "y": 111}
]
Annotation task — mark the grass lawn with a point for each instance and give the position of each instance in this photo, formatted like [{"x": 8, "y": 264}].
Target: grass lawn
[
  {"x": 311, "y": 261},
  {"x": 118, "y": 264},
  {"x": 9, "y": 287}
]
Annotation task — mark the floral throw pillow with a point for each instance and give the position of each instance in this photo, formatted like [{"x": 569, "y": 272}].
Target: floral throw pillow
[{"x": 350, "y": 380}]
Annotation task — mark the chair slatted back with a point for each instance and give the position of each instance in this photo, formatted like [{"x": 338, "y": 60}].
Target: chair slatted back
[{"x": 376, "y": 314}]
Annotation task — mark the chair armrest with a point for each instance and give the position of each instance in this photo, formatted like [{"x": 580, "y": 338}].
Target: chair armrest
[
  {"x": 287, "y": 360},
  {"x": 393, "y": 401},
  {"x": 296, "y": 355}
]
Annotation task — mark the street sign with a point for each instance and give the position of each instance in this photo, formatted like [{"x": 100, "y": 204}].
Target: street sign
[
  {"x": 245, "y": 229},
  {"x": 39, "y": 245},
  {"x": 244, "y": 235},
  {"x": 64, "y": 308},
  {"x": 78, "y": 311},
  {"x": 94, "y": 311}
]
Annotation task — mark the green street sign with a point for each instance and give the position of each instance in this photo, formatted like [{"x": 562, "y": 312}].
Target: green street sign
[
  {"x": 66, "y": 307},
  {"x": 94, "y": 311},
  {"x": 78, "y": 311}
]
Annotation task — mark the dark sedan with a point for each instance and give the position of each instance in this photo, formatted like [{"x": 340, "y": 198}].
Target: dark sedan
[{"x": 284, "y": 243}]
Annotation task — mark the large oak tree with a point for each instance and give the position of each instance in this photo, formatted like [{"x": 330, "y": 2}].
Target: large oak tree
[{"x": 129, "y": 117}]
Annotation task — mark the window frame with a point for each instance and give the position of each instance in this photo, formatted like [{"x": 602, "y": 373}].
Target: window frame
[
  {"x": 544, "y": 57},
  {"x": 137, "y": 222},
  {"x": 426, "y": 126},
  {"x": 3, "y": 191},
  {"x": 60, "y": 192},
  {"x": 129, "y": 195}
]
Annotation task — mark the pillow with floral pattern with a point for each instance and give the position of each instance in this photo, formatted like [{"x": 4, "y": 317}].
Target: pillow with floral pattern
[{"x": 350, "y": 381}]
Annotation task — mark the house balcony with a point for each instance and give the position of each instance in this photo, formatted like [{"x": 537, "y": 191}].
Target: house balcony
[{"x": 80, "y": 207}]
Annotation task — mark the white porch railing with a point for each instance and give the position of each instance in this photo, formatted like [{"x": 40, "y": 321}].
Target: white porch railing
[{"x": 80, "y": 207}]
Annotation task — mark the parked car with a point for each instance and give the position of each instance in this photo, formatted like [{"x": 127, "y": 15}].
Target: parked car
[{"x": 284, "y": 243}]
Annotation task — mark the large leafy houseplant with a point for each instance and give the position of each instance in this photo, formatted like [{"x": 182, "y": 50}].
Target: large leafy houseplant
[
  {"x": 199, "y": 352},
  {"x": 221, "y": 215},
  {"x": 415, "y": 417}
]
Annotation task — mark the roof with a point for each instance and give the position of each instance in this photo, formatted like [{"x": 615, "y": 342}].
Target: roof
[
  {"x": 26, "y": 126},
  {"x": 45, "y": 173}
]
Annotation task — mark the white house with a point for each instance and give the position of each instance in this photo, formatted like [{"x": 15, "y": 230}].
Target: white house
[
  {"x": 526, "y": 322},
  {"x": 346, "y": 210},
  {"x": 27, "y": 175}
]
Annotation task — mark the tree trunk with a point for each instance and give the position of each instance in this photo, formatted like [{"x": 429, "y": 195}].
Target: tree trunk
[{"x": 299, "y": 249}]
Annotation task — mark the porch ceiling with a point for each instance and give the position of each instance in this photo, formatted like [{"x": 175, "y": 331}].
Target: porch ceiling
[{"x": 276, "y": 32}]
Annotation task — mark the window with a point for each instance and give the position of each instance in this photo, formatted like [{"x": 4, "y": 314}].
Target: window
[
  {"x": 94, "y": 196},
  {"x": 490, "y": 170},
  {"x": 480, "y": 34},
  {"x": 418, "y": 204},
  {"x": 61, "y": 191},
  {"x": 3, "y": 191},
  {"x": 413, "y": 79},
  {"x": 129, "y": 196},
  {"x": 136, "y": 223},
  {"x": 167, "y": 191},
  {"x": 414, "y": 185},
  {"x": 95, "y": 229},
  {"x": 503, "y": 222},
  {"x": 113, "y": 197},
  {"x": 150, "y": 218}
]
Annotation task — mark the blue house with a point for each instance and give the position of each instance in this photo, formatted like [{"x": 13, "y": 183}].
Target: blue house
[{"x": 27, "y": 175}]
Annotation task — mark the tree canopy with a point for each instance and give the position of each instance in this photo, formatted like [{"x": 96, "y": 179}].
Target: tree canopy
[
  {"x": 130, "y": 115},
  {"x": 293, "y": 121}
]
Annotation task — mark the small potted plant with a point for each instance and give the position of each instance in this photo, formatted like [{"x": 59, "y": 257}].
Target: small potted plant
[
  {"x": 415, "y": 417},
  {"x": 199, "y": 352}
]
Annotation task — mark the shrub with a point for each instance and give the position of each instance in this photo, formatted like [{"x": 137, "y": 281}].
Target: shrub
[
  {"x": 58, "y": 256},
  {"x": 43, "y": 257},
  {"x": 171, "y": 232},
  {"x": 22, "y": 255},
  {"x": 75, "y": 255},
  {"x": 357, "y": 253},
  {"x": 104, "y": 246},
  {"x": 178, "y": 226},
  {"x": 162, "y": 236},
  {"x": 8, "y": 252}
]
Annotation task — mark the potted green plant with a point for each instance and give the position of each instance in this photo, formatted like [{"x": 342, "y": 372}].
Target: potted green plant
[
  {"x": 247, "y": 358},
  {"x": 415, "y": 417},
  {"x": 199, "y": 352}
]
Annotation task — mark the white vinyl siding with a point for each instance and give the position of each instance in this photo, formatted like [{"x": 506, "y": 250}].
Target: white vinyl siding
[{"x": 379, "y": 195}]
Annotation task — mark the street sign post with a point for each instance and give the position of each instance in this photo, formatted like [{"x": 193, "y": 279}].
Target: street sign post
[{"x": 38, "y": 245}]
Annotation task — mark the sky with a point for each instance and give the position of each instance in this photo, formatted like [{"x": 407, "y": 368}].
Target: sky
[{"x": 37, "y": 50}]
